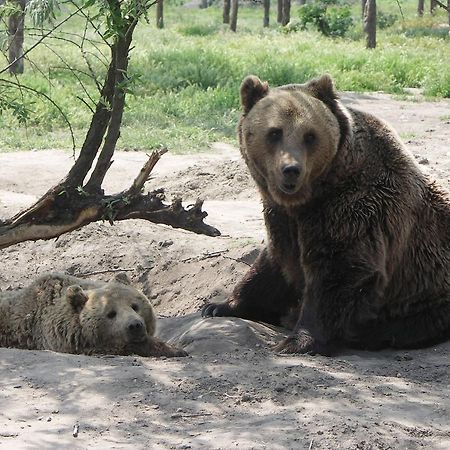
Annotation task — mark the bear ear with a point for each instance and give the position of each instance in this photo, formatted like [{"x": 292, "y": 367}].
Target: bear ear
[
  {"x": 322, "y": 88},
  {"x": 76, "y": 297},
  {"x": 122, "y": 278},
  {"x": 252, "y": 90}
]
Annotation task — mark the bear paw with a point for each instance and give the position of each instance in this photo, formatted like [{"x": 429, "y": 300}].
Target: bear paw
[
  {"x": 217, "y": 310},
  {"x": 302, "y": 342}
]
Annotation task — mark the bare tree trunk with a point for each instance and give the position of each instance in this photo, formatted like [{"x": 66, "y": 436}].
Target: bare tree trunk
[
  {"x": 266, "y": 13},
  {"x": 363, "y": 7},
  {"x": 370, "y": 23},
  {"x": 71, "y": 204},
  {"x": 279, "y": 11},
  {"x": 433, "y": 5},
  {"x": 226, "y": 11},
  {"x": 234, "y": 14},
  {"x": 448, "y": 14},
  {"x": 286, "y": 12},
  {"x": 204, "y": 4},
  {"x": 16, "y": 23},
  {"x": 160, "y": 14},
  {"x": 301, "y": 2},
  {"x": 420, "y": 7}
]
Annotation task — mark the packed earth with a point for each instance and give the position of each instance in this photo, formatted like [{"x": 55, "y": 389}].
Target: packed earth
[{"x": 232, "y": 391}]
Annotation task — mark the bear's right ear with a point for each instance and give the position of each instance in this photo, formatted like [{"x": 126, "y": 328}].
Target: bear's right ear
[
  {"x": 252, "y": 90},
  {"x": 122, "y": 277},
  {"x": 76, "y": 297}
]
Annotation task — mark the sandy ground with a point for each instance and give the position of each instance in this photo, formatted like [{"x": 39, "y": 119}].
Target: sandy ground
[{"x": 232, "y": 391}]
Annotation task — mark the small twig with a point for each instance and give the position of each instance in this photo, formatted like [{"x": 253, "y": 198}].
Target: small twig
[
  {"x": 311, "y": 444},
  {"x": 205, "y": 256},
  {"x": 99, "y": 272},
  {"x": 182, "y": 416},
  {"x": 144, "y": 174},
  {"x": 441, "y": 5},
  {"x": 400, "y": 8},
  {"x": 238, "y": 260}
]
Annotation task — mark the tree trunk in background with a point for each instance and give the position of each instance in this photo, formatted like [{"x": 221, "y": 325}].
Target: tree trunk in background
[
  {"x": 448, "y": 13},
  {"x": 204, "y": 4},
  {"x": 370, "y": 23},
  {"x": 267, "y": 13},
  {"x": 226, "y": 11},
  {"x": 433, "y": 5},
  {"x": 363, "y": 7},
  {"x": 234, "y": 14},
  {"x": 160, "y": 14},
  {"x": 420, "y": 7},
  {"x": 279, "y": 11},
  {"x": 301, "y": 2},
  {"x": 286, "y": 12},
  {"x": 15, "y": 31}
]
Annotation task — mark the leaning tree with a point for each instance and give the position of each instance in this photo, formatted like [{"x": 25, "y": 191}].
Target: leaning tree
[{"x": 79, "y": 199}]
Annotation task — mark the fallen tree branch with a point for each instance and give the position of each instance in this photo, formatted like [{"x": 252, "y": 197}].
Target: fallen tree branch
[{"x": 65, "y": 208}]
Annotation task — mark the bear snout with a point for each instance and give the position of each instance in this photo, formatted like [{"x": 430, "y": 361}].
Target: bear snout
[
  {"x": 290, "y": 177},
  {"x": 136, "y": 329}
]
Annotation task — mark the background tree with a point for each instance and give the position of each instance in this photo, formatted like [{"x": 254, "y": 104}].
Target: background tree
[
  {"x": 286, "y": 14},
  {"x": 234, "y": 14},
  {"x": 16, "y": 23},
  {"x": 279, "y": 11},
  {"x": 160, "y": 14},
  {"x": 370, "y": 23},
  {"x": 420, "y": 7},
  {"x": 226, "y": 11},
  {"x": 266, "y": 19},
  {"x": 79, "y": 199},
  {"x": 433, "y": 4}
]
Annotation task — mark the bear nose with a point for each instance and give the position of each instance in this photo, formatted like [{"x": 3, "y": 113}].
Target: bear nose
[
  {"x": 291, "y": 171},
  {"x": 135, "y": 327}
]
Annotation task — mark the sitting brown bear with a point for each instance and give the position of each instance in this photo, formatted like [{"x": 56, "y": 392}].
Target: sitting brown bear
[
  {"x": 358, "y": 237},
  {"x": 66, "y": 314}
]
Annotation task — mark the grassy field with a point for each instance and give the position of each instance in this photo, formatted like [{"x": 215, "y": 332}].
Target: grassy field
[{"x": 187, "y": 75}]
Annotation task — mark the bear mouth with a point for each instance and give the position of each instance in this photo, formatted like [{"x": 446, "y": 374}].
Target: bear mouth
[
  {"x": 138, "y": 340},
  {"x": 289, "y": 188}
]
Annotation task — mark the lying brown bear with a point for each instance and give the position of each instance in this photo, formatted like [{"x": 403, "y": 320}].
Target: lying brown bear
[
  {"x": 358, "y": 237},
  {"x": 66, "y": 314}
]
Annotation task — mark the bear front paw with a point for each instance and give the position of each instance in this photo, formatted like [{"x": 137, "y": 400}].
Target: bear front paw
[
  {"x": 302, "y": 342},
  {"x": 217, "y": 310}
]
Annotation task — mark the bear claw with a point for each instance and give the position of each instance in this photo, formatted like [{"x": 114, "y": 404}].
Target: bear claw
[{"x": 216, "y": 310}]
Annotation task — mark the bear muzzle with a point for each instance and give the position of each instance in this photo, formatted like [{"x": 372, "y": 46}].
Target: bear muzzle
[
  {"x": 136, "y": 330},
  {"x": 290, "y": 178}
]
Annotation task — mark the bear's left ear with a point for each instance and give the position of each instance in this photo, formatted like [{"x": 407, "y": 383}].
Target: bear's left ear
[
  {"x": 322, "y": 88},
  {"x": 76, "y": 297},
  {"x": 252, "y": 90},
  {"x": 122, "y": 278}
]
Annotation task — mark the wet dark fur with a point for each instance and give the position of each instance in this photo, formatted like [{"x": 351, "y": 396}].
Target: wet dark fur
[{"x": 366, "y": 262}]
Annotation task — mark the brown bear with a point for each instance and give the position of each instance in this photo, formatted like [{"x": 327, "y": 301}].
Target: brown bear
[
  {"x": 66, "y": 314},
  {"x": 358, "y": 237}
]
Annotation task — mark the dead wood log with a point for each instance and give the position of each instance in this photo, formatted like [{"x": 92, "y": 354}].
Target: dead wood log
[{"x": 66, "y": 208}]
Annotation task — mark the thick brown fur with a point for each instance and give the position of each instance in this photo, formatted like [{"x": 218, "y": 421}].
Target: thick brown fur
[
  {"x": 71, "y": 315},
  {"x": 358, "y": 237}
]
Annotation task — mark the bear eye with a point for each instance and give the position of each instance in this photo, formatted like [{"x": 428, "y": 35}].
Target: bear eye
[
  {"x": 275, "y": 135},
  {"x": 111, "y": 314},
  {"x": 309, "y": 138},
  {"x": 135, "y": 307}
]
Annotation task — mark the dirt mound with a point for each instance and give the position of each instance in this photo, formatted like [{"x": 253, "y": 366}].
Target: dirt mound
[{"x": 229, "y": 180}]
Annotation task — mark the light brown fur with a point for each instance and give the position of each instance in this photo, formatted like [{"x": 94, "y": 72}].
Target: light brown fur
[{"x": 71, "y": 315}]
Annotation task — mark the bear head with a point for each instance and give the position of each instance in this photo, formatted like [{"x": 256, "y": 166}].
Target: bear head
[
  {"x": 290, "y": 135},
  {"x": 115, "y": 318}
]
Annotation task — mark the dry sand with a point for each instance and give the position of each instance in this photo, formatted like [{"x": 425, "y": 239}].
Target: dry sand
[{"x": 232, "y": 391}]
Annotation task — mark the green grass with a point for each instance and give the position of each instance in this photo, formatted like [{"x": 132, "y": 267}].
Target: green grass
[{"x": 188, "y": 74}]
